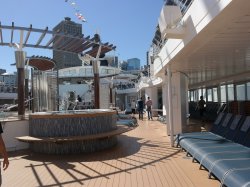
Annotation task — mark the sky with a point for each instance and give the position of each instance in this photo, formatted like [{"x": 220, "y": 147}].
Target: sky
[{"x": 129, "y": 25}]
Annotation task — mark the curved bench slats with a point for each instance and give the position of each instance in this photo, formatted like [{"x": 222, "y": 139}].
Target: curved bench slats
[{"x": 119, "y": 130}]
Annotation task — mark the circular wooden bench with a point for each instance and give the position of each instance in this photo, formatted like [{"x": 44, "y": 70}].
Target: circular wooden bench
[{"x": 120, "y": 130}]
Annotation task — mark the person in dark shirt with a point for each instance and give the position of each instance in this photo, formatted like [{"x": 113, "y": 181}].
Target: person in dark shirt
[
  {"x": 79, "y": 98},
  {"x": 201, "y": 107},
  {"x": 149, "y": 108},
  {"x": 140, "y": 106},
  {"x": 3, "y": 153}
]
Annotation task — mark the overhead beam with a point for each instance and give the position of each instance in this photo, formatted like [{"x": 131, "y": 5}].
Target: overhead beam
[
  {"x": 1, "y": 34},
  {"x": 42, "y": 36},
  {"x": 66, "y": 43},
  {"x": 72, "y": 44},
  {"x": 57, "y": 41},
  {"x": 27, "y": 35},
  {"x": 50, "y": 41},
  {"x": 12, "y": 33},
  {"x": 77, "y": 46}
]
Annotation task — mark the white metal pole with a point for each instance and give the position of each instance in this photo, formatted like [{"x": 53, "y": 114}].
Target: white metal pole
[
  {"x": 170, "y": 106},
  {"x": 21, "y": 41}
]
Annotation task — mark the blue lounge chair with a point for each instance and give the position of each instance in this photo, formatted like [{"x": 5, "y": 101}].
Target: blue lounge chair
[
  {"x": 221, "y": 167},
  {"x": 216, "y": 126},
  {"x": 228, "y": 146},
  {"x": 192, "y": 143},
  {"x": 242, "y": 136},
  {"x": 203, "y": 154},
  {"x": 232, "y": 133},
  {"x": 236, "y": 178},
  {"x": 209, "y": 159}
]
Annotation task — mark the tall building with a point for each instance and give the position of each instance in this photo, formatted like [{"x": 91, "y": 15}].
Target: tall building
[
  {"x": 133, "y": 64},
  {"x": 66, "y": 59}
]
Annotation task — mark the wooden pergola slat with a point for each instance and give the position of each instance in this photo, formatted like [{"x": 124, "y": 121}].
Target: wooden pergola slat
[
  {"x": 27, "y": 35},
  {"x": 50, "y": 41},
  {"x": 12, "y": 33},
  {"x": 42, "y": 36},
  {"x": 59, "y": 41},
  {"x": 1, "y": 34}
]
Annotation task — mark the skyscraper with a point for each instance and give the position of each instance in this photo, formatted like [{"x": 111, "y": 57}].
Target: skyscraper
[
  {"x": 133, "y": 64},
  {"x": 66, "y": 59}
]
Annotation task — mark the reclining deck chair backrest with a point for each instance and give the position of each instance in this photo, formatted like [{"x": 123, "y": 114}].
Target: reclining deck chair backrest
[
  {"x": 225, "y": 124},
  {"x": 246, "y": 128},
  {"x": 234, "y": 127},
  {"x": 221, "y": 123},
  {"x": 217, "y": 122},
  {"x": 242, "y": 133}
]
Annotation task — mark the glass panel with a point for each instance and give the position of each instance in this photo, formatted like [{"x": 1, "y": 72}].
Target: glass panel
[
  {"x": 230, "y": 92},
  {"x": 196, "y": 95},
  {"x": 191, "y": 95},
  {"x": 209, "y": 95},
  {"x": 215, "y": 95},
  {"x": 199, "y": 94},
  {"x": 240, "y": 92},
  {"x": 204, "y": 94},
  {"x": 248, "y": 91},
  {"x": 223, "y": 96}
]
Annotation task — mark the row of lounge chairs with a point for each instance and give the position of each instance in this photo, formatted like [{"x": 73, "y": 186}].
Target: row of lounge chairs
[
  {"x": 125, "y": 119},
  {"x": 224, "y": 151}
]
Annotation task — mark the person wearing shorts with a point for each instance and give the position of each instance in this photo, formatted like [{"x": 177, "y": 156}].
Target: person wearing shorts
[{"x": 133, "y": 107}]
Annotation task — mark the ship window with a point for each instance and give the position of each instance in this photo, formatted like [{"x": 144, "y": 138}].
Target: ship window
[
  {"x": 241, "y": 93},
  {"x": 215, "y": 95},
  {"x": 209, "y": 95},
  {"x": 230, "y": 92},
  {"x": 248, "y": 91},
  {"x": 223, "y": 94}
]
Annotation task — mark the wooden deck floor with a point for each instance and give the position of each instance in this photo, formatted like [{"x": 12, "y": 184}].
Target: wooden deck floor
[{"x": 142, "y": 158}]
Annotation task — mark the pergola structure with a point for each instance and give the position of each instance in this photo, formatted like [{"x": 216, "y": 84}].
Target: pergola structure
[{"x": 54, "y": 40}]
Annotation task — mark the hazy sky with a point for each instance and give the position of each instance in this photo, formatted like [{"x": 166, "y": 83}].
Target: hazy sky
[{"x": 128, "y": 24}]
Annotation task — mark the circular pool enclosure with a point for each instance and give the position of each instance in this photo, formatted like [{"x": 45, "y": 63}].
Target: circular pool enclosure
[{"x": 73, "y": 131}]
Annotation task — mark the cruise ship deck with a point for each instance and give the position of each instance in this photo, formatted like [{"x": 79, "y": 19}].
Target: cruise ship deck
[{"x": 143, "y": 157}]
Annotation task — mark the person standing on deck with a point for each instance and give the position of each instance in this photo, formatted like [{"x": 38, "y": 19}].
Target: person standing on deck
[
  {"x": 201, "y": 107},
  {"x": 140, "y": 106},
  {"x": 79, "y": 99},
  {"x": 149, "y": 108},
  {"x": 133, "y": 106},
  {"x": 3, "y": 153}
]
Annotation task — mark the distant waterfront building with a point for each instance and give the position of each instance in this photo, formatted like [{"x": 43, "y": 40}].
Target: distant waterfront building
[
  {"x": 124, "y": 65},
  {"x": 2, "y": 71},
  {"x": 8, "y": 82},
  {"x": 133, "y": 64},
  {"x": 9, "y": 79},
  {"x": 65, "y": 59}
]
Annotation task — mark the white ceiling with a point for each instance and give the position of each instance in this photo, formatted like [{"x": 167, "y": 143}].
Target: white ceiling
[{"x": 221, "y": 52}]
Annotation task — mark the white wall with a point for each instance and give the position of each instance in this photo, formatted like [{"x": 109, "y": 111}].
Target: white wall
[
  {"x": 179, "y": 101},
  {"x": 12, "y": 129}
]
